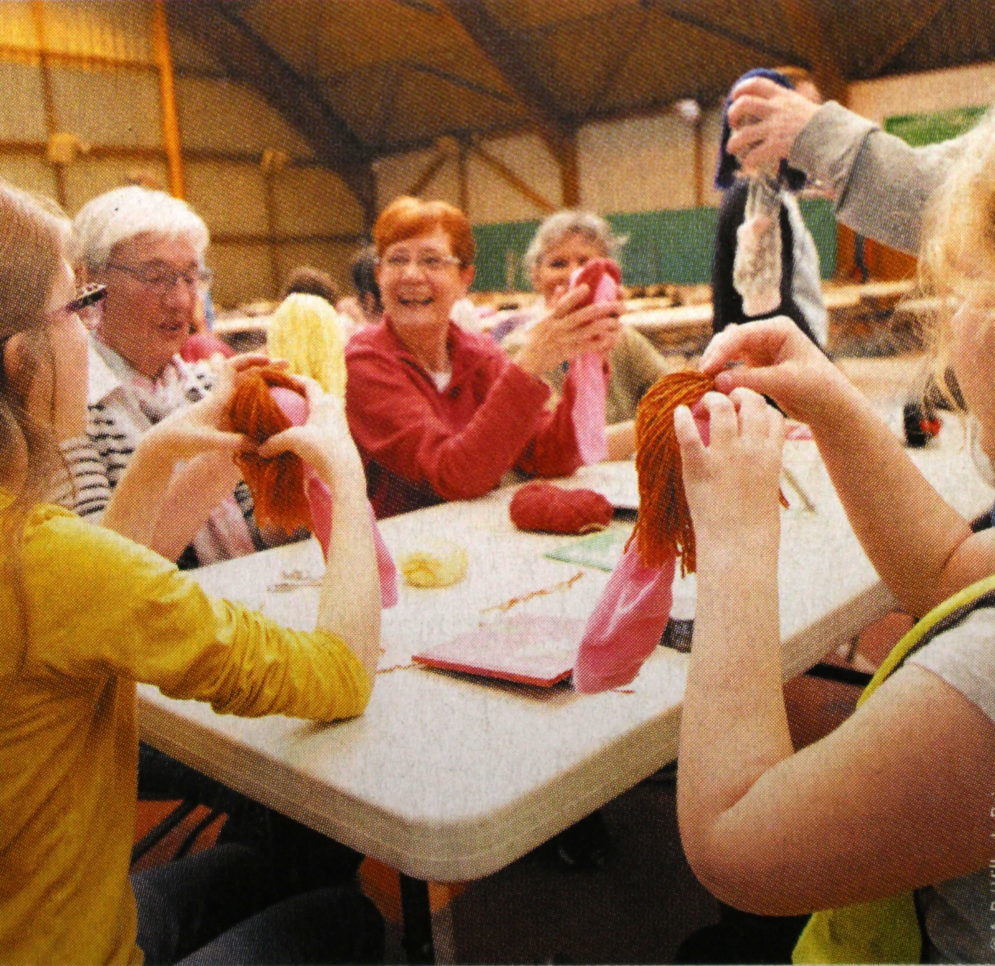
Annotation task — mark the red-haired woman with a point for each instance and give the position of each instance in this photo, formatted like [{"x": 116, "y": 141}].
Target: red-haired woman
[{"x": 441, "y": 414}]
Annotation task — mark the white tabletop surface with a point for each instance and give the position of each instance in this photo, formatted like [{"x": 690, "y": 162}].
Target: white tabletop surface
[{"x": 448, "y": 777}]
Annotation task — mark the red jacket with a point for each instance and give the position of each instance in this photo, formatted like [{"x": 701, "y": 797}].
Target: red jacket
[{"x": 421, "y": 446}]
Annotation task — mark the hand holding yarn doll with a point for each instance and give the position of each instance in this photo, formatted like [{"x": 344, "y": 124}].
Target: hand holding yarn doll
[
  {"x": 575, "y": 324},
  {"x": 633, "y": 610},
  {"x": 304, "y": 450},
  {"x": 587, "y": 372},
  {"x": 730, "y": 483}
]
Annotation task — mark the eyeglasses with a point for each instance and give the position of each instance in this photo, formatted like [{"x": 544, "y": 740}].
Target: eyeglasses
[
  {"x": 426, "y": 263},
  {"x": 88, "y": 305},
  {"x": 162, "y": 279}
]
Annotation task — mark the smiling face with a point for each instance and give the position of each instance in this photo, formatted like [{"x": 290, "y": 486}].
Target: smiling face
[
  {"x": 555, "y": 266},
  {"x": 418, "y": 295},
  {"x": 144, "y": 326}
]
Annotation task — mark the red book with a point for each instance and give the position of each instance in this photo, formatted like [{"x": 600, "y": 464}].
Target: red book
[{"x": 529, "y": 650}]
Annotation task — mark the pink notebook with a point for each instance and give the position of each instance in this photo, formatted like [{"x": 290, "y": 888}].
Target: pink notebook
[{"x": 529, "y": 650}]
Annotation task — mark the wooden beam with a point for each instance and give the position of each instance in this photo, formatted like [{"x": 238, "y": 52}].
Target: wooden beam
[
  {"x": 496, "y": 164},
  {"x": 623, "y": 54},
  {"x": 431, "y": 170},
  {"x": 468, "y": 85},
  {"x": 462, "y": 178},
  {"x": 262, "y": 238},
  {"x": 48, "y": 98},
  {"x": 779, "y": 55},
  {"x": 503, "y": 52},
  {"x": 808, "y": 33},
  {"x": 24, "y": 52},
  {"x": 167, "y": 92},
  {"x": 915, "y": 22},
  {"x": 251, "y": 60}
]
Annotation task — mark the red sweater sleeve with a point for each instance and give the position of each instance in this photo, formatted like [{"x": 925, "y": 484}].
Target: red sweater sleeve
[
  {"x": 553, "y": 449},
  {"x": 461, "y": 441}
]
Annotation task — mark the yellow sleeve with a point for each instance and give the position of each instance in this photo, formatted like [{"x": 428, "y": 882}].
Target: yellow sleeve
[{"x": 101, "y": 605}]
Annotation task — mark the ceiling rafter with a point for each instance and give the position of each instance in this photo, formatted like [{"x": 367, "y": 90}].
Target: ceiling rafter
[
  {"x": 521, "y": 186},
  {"x": 807, "y": 30},
  {"x": 392, "y": 87},
  {"x": 614, "y": 68},
  {"x": 463, "y": 82},
  {"x": 250, "y": 59},
  {"x": 505, "y": 54},
  {"x": 914, "y": 26},
  {"x": 779, "y": 54}
]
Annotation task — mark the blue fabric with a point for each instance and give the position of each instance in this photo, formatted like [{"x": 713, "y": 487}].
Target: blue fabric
[{"x": 728, "y": 164}]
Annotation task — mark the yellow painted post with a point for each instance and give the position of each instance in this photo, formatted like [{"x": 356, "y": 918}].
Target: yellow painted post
[{"x": 167, "y": 91}]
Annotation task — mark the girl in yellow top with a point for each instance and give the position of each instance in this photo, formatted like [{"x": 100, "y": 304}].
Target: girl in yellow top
[
  {"x": 86, "y": 613},
  {"x": 897, "y": 801}
]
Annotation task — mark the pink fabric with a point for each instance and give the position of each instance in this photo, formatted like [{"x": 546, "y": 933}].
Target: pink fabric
[
  {"x": 626, "y": 625},
  {"x": 203, "y": 346},
  {"x": 631, "y": 614},
  {"x": 587, "y": 371},
  {"x": 319, "y": 498}
]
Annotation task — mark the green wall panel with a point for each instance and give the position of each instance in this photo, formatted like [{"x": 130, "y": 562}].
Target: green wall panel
[{"x": 663, "y": 246}]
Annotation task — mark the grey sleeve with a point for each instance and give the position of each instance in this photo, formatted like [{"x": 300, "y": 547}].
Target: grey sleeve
[
  {"x": 964, "y": 657},
  {"x": 880, "y": 183}
]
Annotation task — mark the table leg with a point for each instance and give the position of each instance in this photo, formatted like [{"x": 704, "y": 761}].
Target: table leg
[{"x": 417, "y": 924}]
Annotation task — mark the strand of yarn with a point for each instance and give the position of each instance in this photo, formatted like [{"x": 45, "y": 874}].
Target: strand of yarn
[
  {"x": 306, "y": 331},
  {"x": 664, "y": 528},
  {"x": 277, "y": 483}
]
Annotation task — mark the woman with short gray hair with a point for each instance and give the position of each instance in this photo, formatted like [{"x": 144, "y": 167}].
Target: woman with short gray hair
[{"x": 564, "y": 242}]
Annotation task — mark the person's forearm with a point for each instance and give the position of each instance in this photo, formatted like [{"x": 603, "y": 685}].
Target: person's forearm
[
  {"x": 350, "y": 594},
  {"x": 880, "y": 183},
  {"x": 194, "y": 490},
  {"x": 907, "y": 530},
  {"x": 136, "y": 502},
  {"x": 733, "y": 723}
]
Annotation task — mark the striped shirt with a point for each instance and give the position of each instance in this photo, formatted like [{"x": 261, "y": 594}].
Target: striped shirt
[{"x": 116, "y": 421}]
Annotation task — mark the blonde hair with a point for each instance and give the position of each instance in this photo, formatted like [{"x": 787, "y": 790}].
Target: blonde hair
[
  {"x": 957, "y": 251},
  {"x": 307, "y": 332},
  {"x": 33, "y": 239}
]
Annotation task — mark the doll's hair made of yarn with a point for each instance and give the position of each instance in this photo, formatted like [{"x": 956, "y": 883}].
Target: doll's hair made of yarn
[
  {"x": 276, "y": 483},
  {"x": 664, "y": 527}
]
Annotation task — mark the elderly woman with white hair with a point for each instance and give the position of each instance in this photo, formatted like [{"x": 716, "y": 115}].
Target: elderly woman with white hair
[
  {"x": 147, "y": 248},
  {"x": 563, "y": 243}
]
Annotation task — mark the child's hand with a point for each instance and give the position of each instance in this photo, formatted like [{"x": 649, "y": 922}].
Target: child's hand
[
  {"x": 202, "y": 427},
  {"x": 776, "y": 359},
  {"x": 732, "y": 483},
  {"x": 323, "y": 441}
]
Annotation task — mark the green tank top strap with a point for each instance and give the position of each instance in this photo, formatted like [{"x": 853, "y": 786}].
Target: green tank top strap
[{"x": 886, "y": 930}]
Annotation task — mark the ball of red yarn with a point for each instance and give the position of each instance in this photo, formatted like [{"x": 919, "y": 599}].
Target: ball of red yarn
[{"x": 545, "y": 506}]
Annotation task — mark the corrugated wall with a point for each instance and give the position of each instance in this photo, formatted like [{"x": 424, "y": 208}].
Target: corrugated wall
[{"x": 83, "y": 113}]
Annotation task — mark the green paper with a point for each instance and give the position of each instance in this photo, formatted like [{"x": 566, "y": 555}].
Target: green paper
[{"x": 602, "y": 550}]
